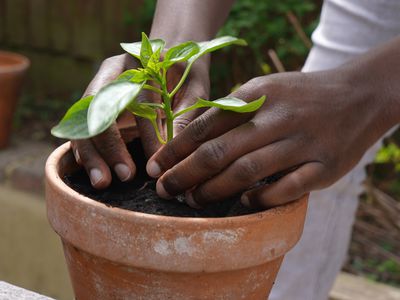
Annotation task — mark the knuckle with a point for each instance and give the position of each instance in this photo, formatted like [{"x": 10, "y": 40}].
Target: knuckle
[
  {"x": 171, "y": 153},
  {"x": 247, "y": 170},
  {"x": 110, "y": 145},
  {"x": 111, "y": 60},
  {"x": 212, "y": 154},
  {"x": 181, "y": 123},
  {"x": 297, "y": 183},
  {"x": 199, "y": 129}
]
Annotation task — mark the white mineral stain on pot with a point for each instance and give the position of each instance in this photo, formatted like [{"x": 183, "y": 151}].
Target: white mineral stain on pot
[
  {"x": 183, "y": 246},
  {"x": 162, "y": 247},
  {"x": 227, "y": 236},
  {"x": 190, "y": 245}
]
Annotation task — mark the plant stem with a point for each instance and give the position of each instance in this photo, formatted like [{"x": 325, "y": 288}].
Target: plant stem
[
  {"x": 169, "y": 115},
  {"x": 182, "y": 80}
]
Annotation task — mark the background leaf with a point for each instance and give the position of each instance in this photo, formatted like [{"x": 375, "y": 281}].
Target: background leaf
[
  {"x": 109, "y": 102},
  {"x": 74, "y": 124}
]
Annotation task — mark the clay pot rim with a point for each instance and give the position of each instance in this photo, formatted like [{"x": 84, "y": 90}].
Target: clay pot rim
[
  {"x": 21, "y": 62},
  {"x": 55, "y": 180}
]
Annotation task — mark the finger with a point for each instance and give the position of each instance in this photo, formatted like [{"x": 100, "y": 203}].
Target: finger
[
  {"x": 292, "y": 186},
  {"x": 212, "y": 157},
  {"x": 95, "y": 166},
  {"x": 182, "y": 121},
  {"x": 109, "y": 70},
  {"x": 113, "y": 149},
  {"x": 75, "y": 151},
  {"x": 209, "y": 125},
  {"x": 247, "y": 170}
]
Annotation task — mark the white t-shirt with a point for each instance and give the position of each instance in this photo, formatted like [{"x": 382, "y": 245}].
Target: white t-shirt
[
  {"x": 347, "y": 29},
  {"x": 351, "y": 27}
]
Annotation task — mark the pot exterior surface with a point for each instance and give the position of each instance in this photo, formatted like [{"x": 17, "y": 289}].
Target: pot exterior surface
[
  {"x": 110, "y": 249},
  {"x": 97, "y": 278},
  {"x": 12, "y": 70}
]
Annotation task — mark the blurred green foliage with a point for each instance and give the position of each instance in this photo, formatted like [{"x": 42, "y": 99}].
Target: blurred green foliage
[
  {"x": 389, "y": 153},
  {"x": 264, "y": 25}
]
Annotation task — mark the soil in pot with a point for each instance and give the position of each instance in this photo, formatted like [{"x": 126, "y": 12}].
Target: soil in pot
[{"x": 139, "y": 195}]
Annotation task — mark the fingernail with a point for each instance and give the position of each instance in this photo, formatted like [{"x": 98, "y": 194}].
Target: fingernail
[
  {"x": 245, "y": 200},
  {"x": 77, "y": 156},
  {"x": 95, "y": 176},
  {"x": 161, "y": 191},
  {"x": 190, "y": 201},
  {"x": 123, "y": 172},
  {"x": 153, "y": 169}
]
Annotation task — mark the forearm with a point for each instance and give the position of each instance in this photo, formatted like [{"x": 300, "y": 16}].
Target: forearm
[
  {"x": 378, "y": 74},
  {"x": 176, "y": 21}
]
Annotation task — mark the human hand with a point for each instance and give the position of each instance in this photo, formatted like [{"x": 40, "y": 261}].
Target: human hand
[
  {"x": 108, "y": 150},
  {"x": 317, "y": 125}
]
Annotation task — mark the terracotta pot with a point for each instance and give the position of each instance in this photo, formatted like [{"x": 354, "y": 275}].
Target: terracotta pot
[
  {"x": 119, "y": 254},
  {"x": 12, "y": 70}
]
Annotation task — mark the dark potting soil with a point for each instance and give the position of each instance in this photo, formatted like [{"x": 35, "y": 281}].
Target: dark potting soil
[{"x": 140, "y": 194}]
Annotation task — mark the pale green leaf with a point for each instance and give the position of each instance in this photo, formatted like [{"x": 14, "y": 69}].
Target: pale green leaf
[
  {"x": 74, "y": 124},
  {"x": 109, "y": 102},
  {"x": 232, "y": 104}
]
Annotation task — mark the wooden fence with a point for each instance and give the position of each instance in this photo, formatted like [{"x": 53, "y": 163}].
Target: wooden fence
[{"x": 66, "y": 39}]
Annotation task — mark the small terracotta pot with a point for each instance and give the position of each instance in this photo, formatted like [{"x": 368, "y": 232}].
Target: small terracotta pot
[
  {"x": 12, "y": 70},
  {"x": 119, "y": 254}
]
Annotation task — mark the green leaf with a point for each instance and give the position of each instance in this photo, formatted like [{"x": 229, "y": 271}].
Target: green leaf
[
  {"x": 148, "y": 111},
  {"x": 134, "y": 48},
  {"x": 109, "y": 102},
  {"x": 133, "y": 76},
  {"x": 215, "y": 44},
  {"x": 232, "y": 104},
  {"x": 145, "y": 51},
  {"x": 153, "y": 65},
  {"x": 179, "y": 53},
  {"x": 143, "y": 110},
  {"x": 74, "y": 124}
]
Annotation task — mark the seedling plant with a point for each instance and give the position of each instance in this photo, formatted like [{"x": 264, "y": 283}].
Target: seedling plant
[{"x": 93, "y": 114}]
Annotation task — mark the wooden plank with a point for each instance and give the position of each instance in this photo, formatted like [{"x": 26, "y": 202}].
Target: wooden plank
[
  {"x": 16, "y": 22},
  {"x": 2, "y": 21},
  {"x": 61, "y": 19},
  {"x": 38, "y": 24},
  {"x": 111, "y": 11},
  {"x": 351, "y": 287},
  {"x": 86, "y": 29}
]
